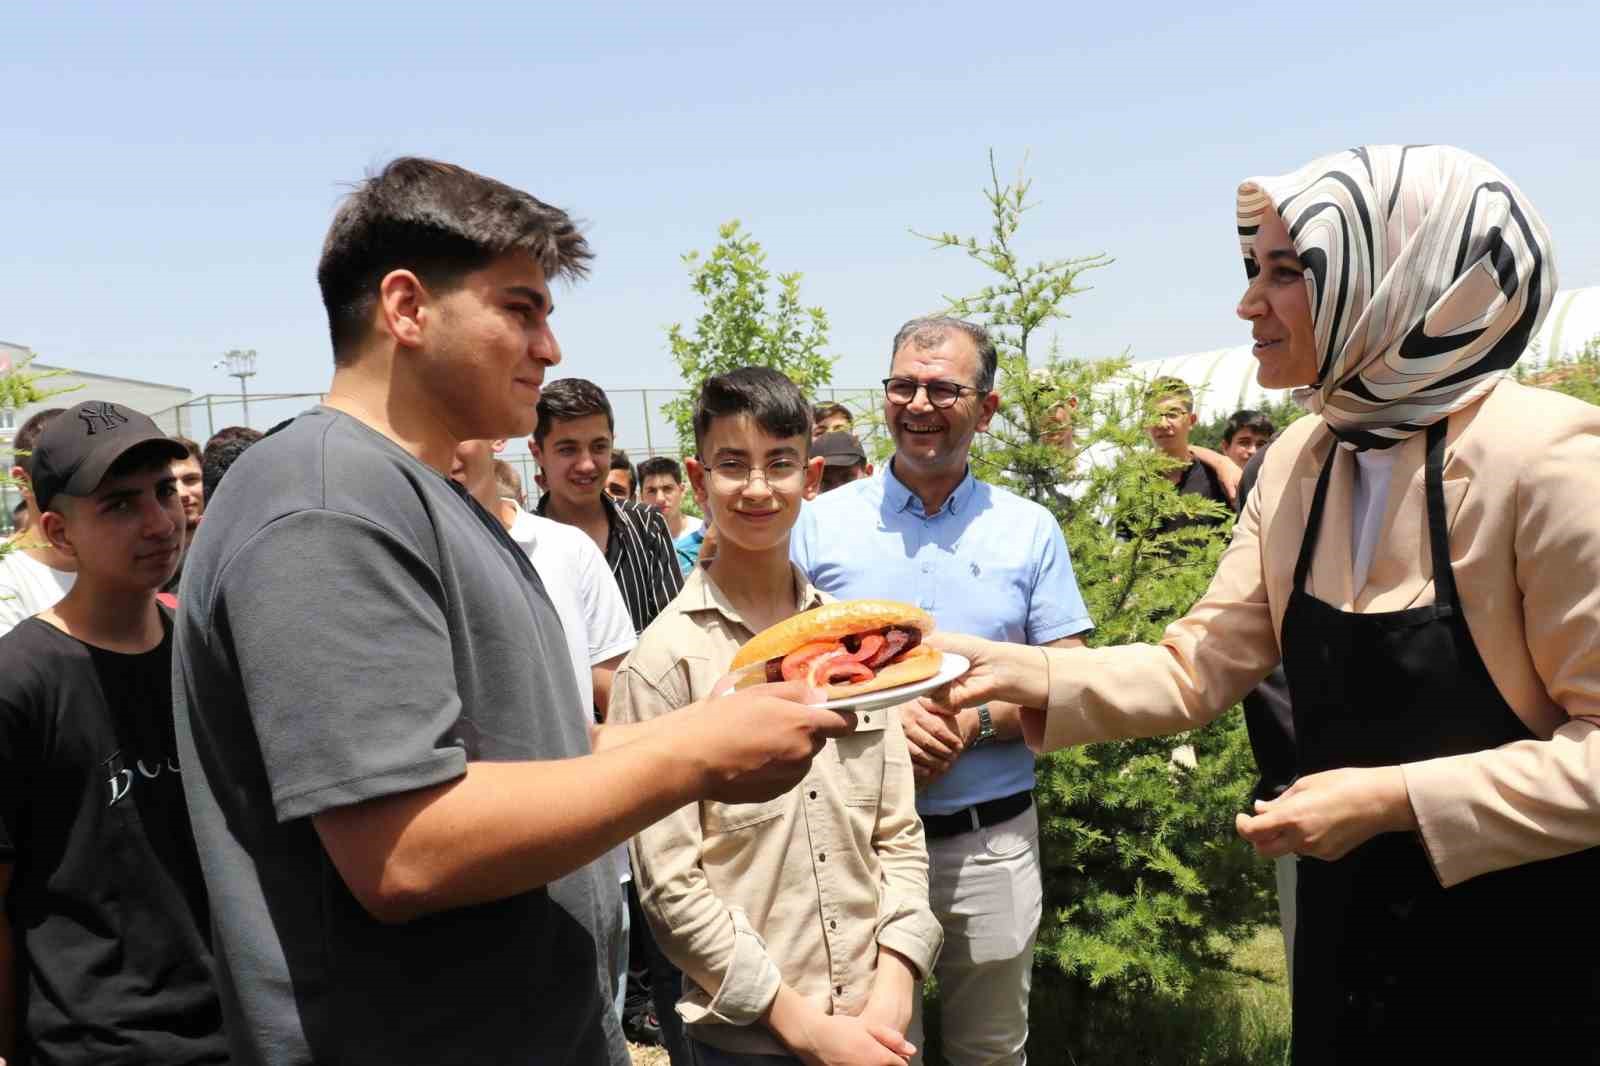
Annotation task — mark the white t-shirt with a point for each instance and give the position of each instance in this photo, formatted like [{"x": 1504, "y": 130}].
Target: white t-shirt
[
  {"x": 27, "y": 587},
  {"x": 690, "y": 524},
  {"x": 1374, "y": 473},
  {"x": 587, "y": 599}
]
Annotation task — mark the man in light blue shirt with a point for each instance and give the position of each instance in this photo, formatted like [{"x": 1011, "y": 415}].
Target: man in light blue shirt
[{"x": 987, "y": 562}]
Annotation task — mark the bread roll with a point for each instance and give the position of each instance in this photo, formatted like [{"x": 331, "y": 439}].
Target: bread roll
[{"x": 834, "y": 621}]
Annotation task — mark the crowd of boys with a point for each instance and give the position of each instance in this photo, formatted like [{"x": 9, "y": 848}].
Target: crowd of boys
[{"x": 362, "y": 786}]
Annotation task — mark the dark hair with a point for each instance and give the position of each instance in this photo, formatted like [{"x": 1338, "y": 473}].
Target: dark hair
[
  {"x": 764, "y": 394},
  {"x": 828, "y": 410},
  {"x": 441, "y": 222},
  {"x": 1163, "y": 387},
  {"x": 219, "y": 456},
  {"x": 930, "y": 331},
  {"x": 1255, "y": 421},
  {"x": 191, "y": 446},
  {"x": 571, "y": 398},
  {"x": 227, "y": 433},
  {"x": 660, "y": 466},
  {"x": 26, "y": 437},
  {"x": 620, "y": 461}
]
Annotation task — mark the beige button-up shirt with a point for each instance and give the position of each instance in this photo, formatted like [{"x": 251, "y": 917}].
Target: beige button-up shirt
[{"x": 802, "y": 889}]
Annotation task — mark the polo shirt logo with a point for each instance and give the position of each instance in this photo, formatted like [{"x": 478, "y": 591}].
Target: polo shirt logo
[{"x": 101, "y": 416}]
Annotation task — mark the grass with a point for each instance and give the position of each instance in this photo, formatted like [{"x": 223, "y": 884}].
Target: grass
[{"x": 1239, "y": 1018}]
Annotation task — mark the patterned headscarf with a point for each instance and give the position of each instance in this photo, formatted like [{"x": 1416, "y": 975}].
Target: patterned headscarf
[{"x": 1428, "y": 272}]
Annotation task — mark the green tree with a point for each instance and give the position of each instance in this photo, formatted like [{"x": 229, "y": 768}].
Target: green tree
[
  {"x": 744, "y": 322},
  {"x": 1146, "y": 884},
  {"x": 19, "y": 388},
  {"x": 1577, "y": 375}
]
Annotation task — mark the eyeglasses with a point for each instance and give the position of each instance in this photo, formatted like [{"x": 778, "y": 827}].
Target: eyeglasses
[
  {"x": 779, "y": 474},
  {"x": 941, "y": 394}
]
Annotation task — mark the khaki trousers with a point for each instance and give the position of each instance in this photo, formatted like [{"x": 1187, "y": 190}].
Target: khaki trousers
[{"x": 985, "y": 888}]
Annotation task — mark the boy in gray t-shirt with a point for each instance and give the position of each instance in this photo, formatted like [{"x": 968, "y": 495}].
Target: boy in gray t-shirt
[{"x": 396, "y": 801}]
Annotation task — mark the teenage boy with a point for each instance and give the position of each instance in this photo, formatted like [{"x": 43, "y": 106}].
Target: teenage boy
[
  {"x": 33, "y": 575},
  {"x": 661, "y": 490},
  {"x": 190, "y": 473},
  {"x": 105, "y": 938},
  {"x": 831, "y": 418},
  {"x": 843, "y": 461},
  {"x": 1245, "y": 433},
  {"x": 593, "y": 615},
  {"x": 802, "y": 925},
  {"x": 1174, "y": 418},
  {"x": 572, "y": 444},
  {"x": 392, "y": 782},
  {"x": 619, "y": 479}
]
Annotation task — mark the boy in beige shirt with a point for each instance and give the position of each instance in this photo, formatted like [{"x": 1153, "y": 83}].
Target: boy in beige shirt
[{"x": 802, "y": 924}]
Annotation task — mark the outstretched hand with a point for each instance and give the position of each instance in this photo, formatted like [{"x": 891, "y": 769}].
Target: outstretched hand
[
  {"x": 1330, "y": 814},
  {"x": 1012, "y": 673},
  {"x": 757, "y": 743}
]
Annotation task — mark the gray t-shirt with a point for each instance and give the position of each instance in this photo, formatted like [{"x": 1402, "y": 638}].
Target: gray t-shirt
[{"x": 353, "y": 626}]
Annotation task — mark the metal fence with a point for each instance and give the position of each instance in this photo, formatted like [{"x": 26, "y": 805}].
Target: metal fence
[{"x": 643, "y": 431}]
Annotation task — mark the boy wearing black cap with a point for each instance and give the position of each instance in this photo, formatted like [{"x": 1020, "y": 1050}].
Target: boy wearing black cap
[
  {"x": 843, "y": 461},
  {"x": 104, "y": 944}
]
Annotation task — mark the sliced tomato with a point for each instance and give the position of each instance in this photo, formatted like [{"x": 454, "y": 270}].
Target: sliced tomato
[
  {"x": 834, "y": 668},
  {"x": 795, "y": 663},
  {"x": 869, "y": 646}
]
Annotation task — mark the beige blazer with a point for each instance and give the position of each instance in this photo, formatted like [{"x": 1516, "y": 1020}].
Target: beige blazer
[{"x": 1522, "y": 490}]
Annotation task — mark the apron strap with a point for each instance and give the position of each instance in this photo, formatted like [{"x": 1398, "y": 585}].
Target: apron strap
[{"x": 1444, "y": 575}]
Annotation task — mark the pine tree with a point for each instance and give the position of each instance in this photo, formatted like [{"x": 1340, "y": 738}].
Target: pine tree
[{"x": 1146, "y": 882}]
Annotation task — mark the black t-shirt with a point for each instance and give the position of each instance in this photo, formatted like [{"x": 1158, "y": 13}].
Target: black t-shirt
[
  {"x": 354, "y": 626},
  {"x": 107, "y": 907}
]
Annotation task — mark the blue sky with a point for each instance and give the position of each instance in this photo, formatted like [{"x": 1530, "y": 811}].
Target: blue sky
[{"x": 169, "y": 169}]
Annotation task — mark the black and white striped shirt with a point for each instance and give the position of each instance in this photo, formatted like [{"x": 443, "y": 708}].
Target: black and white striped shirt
[{"x": 641, "y": 555}]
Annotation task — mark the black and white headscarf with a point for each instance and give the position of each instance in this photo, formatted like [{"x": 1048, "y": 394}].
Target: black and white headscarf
[{"x": 1428, "y": 272}]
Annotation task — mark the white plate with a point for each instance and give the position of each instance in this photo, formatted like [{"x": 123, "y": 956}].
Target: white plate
[{"x": 951, "y": 668}]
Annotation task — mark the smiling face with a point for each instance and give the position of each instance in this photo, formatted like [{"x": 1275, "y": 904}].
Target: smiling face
[
  {"x": 127, "y": 534},
  {"x": 929, "y": 441},
  {"x": 1277, "y": 305},
  {"x": 485, "y": 347},
  {"x": 191, "y": 491},
  {"x": 575, "y": 457},
  {"x": 754, "y": 513}
]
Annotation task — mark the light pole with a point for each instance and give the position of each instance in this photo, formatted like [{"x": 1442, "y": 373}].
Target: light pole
[{"x": 241, "y": 364}]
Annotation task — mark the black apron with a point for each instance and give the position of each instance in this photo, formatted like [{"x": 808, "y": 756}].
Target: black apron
[{"x": 1388, "y": 965}]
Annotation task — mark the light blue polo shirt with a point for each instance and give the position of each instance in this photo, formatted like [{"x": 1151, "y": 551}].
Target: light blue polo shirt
[{"x": 989, "y": 563}]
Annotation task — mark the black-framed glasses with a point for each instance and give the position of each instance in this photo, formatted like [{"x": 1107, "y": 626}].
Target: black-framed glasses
[{"x": 941, "y": 394}]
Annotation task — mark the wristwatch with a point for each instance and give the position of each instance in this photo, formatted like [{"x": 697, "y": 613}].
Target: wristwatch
[{"x": 985, "y": 726}]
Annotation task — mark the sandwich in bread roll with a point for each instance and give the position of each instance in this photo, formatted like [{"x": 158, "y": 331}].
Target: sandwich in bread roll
[{"x": 847, "y": 648}]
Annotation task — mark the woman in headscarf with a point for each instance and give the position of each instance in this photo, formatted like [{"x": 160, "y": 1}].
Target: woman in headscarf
[{"x": 1424, "y": 558}]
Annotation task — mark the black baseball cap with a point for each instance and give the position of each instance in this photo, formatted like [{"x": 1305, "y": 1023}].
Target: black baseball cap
[
  {"x": 80, "y": 444},
  {"x": 838, "y": 449}
]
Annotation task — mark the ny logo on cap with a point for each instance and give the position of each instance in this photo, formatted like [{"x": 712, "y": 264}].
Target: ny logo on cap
[{"x": 101, "y": 416}]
